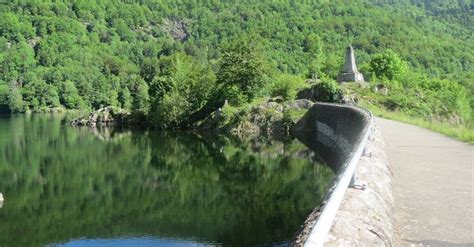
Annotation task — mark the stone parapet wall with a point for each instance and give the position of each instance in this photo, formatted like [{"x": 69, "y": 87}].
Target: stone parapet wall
[{"x": 365, "y": 217}]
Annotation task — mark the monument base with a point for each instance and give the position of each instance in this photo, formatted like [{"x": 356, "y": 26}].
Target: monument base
[{"x": 350, "y": 77}]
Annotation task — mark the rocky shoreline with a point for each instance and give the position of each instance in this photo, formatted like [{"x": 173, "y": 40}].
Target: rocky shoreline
[
  {"x": 104, "y": 117},
  {"x": 273, "y": 118}
]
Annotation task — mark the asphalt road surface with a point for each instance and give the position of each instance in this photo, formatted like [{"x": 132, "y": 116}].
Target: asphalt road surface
[{"x": 433, "y": 186}]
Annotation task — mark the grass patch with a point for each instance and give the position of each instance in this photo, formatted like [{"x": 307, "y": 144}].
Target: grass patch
[
  {"x": 462, "y": 133},
  {"x": 294, "y": 115}
]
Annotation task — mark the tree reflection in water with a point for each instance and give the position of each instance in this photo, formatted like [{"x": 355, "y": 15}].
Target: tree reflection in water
[{"x": 63, "y": 183}]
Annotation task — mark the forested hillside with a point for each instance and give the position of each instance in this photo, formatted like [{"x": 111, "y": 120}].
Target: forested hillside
[{"x": 165, "y": 57}]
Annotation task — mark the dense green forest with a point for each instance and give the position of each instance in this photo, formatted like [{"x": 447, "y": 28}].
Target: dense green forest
[{"x": 168, "y": 60}]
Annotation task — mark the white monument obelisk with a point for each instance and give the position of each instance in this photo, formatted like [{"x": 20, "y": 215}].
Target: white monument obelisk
[{"x": 349, "y": 71}]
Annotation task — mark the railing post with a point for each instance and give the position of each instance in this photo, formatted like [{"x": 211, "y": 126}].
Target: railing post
[
  {"x": 353, "y": 181},
  {"x": 355, "y": 185}
]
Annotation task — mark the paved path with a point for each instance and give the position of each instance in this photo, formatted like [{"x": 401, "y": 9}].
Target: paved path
[{"x": 433, "y": 186}]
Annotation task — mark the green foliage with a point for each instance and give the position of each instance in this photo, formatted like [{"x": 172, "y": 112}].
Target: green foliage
[
  {"x": 446, "y": 98},
  {"x": 141, "y": 99},
  {"x": 234, "y": 95},
  {"x": 16, "y": 61},
  {"x": 114, "y": 99},
  {"x": 4, "y": 94},
  {"x": 292, "y": 116},
  {"x": 286, "y": 86},
  {"x": 15, "y": 99},
  {"x": 387, "y": 65},
  {"x": 70, "y": 97},
  {"x": 440, "y": 102},
  {"x": 229, "y": 113},
  {"x": 111, "y": 51},
  {"x": 321, "y": 64},
  {"x": 328, "y": 91},
  {"x": 242, "y": 71},
  {"x": 11, "y": 27},
  {"x": 183, "y": 87},
  {"x": 172, "y": 110},
  {"x": 126, "y": 99},
  {"x": 40, "y": 95},
  {"x": 463, "y": 132}
]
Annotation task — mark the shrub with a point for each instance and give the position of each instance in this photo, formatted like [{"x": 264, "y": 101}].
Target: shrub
[
  {"x": 125, "y": 98},
  {"x": 328, "y": 91},
  {"x": 431, "y": 99},
  {"x": 141, "y": 101},
  {"x": 39, "y": 94},
  {"x": 70, "y": 96},
  {"x": 242, "y": 68},
  {"x": 447, "y": 97},
  {"x": 387, "y": 65},
  {"x": 287, "y": 86},
  {"x": 234, "y": 95},
  {"x": 171, "y": 112},
  {"x": 15, "y": 99},
  {"x": 183, "y": 88}
]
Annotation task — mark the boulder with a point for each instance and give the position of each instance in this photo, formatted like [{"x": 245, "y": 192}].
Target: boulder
[
  {"x": 277, "y": 99},
  {"x": 306, "y": 93},
  {"x": 269, "y": 106},
  {"x": 299, "y": 104},
  {"x": 268, "y": 118},
  {"x": 314, "y": 94},
  {"x": 381, "y": 89},
  {"x": 349, "y": 99}
]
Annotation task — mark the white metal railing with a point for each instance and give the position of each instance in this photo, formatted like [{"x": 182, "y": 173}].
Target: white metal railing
[{"x": 323, "y": 224}]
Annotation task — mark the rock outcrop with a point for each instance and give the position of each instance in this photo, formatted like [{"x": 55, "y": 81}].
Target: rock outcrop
[
  {"x": 272, "y": 118},
  {"x": 316, "y": 93},
  {"x": 108, "y": 116}
]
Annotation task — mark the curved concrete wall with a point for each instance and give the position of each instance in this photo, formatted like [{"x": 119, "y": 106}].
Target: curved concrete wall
[
  {"x": 333, "y": 131},
  {"x": 337, "y": 133}
]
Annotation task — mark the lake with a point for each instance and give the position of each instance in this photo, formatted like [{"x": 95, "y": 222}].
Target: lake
[{"x": 66, "y": 186}]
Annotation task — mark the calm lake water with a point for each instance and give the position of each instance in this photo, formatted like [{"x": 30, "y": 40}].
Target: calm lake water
[{"x": 66, "y": 186}]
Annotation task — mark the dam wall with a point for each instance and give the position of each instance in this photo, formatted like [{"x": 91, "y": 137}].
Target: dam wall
[{"x": 358, "y": 207}]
